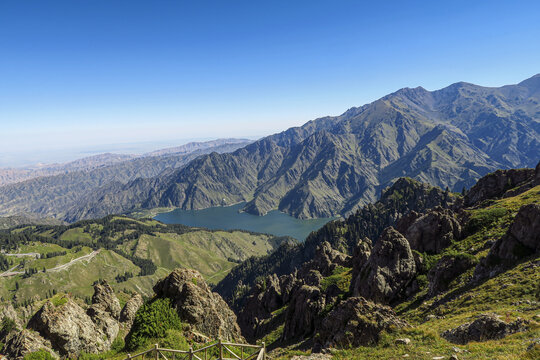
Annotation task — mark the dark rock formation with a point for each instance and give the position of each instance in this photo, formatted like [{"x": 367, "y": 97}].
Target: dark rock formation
[
  {"x": 359, "y": 260},
  {"x": 104, "y": 300},
  {"x": 127, "y": 315},
  {"x": 8, "y": 311},
  {"x": 264, "y": 299},
  {"x": 355, "y": 322},
  {"x": 446, "y": 270},
  {"x": 485, "y": 327},
  {"x": 522, "y": 239},
  {"x": 326, "y": 260},
  {"x": 25, "y": 342},
  {"x": 197, "y": 305},
  {"x": 70, "y": 330},
  {"x": 303, "y": 312},
  {"x": 390, "y": 268},
  {"x": 431, "y": 232},
  {"x": 288, "y": 284},
  {"x": 496, "y": 184},
  {"x": 525, "y": 230}
]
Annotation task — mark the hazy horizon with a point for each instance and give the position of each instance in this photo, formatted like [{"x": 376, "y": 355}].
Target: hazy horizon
[{"x": 30, "y": 159}]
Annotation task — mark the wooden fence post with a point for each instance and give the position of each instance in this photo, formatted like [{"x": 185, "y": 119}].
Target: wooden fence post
[
  {"x": 264, "y": 350},
  {"x": 191, "y": 353},
  {"x": 128, "y": 357},
  {"x": 220, "y": 349},
  {"x": 156, "y": 347}
]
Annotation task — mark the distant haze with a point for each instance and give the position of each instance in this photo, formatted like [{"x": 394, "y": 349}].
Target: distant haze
[{"x": 33, "y": 158}]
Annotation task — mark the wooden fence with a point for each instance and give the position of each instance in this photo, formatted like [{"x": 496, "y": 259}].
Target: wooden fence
[{"x": 225, "y": 351}]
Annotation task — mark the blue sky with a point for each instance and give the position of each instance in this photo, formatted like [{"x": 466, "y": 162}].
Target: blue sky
[{"x": 89, "y": 74}]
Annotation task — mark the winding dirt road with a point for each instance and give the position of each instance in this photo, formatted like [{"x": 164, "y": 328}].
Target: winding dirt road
[{"x": 88, "y": 257}]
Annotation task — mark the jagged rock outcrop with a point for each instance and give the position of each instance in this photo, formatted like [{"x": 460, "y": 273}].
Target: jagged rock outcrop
[
  {"x": 447, "y": 269},
  {"x": 25, "y": 342},
  {"x": 70, "y": 329},
  {"x": 264, "y": 299},
  {"x": 525, "y": 230},
  {"x": 390, "y": 268},
  {"x": 303, "y": 312},
  {"x": 288, "y": 284},
  {"x": 355, "y": 322},
  {"x": 127, "y": 315},
  {"x": 8, "y": 311},
  {"x": 360, "y": 257},
  {"x": 325, "y": 261},
  {"x": 197, "y": 305},
  {"x": 431, "y": 232},
  {"x": 522, "y": 239},
  {"x": 104, "y": 300},
  {"x": 105, "y": 311},
  {"x": 485, "y": 327},
  {"x": 496, "y": 184}
]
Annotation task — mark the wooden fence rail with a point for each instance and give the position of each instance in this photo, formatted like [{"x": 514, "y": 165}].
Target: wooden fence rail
[{"x": 225, "y": 351}]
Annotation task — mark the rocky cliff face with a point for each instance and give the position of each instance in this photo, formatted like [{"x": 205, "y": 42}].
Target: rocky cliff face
[
  {"x": 389, "y": 270},
  {"x": 503, "y": 183},
  {"x": 127, "y": 315},
  {"x": 67, "y": 329},
  {"x": 430, "y": 232},
  {"x": 25, "y": 342},
  {"x": 355, "y": 322},
  {"x": 521, "y": 240},
  {"x": 70, "y": 330},
  {"x": 198, "y": 306}
]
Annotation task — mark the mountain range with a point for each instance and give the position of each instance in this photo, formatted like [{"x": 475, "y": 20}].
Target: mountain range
[
  {"x": 334, "y": 165},
  {"x": 51, "y": 196}
]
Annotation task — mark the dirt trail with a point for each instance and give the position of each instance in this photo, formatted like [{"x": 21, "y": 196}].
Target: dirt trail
[
  {"x": 74, "y": 261},
  {"x": 88, "y": 257},
  {"x": 33, "y": 254},
  {"x": 10, "y": 272}
]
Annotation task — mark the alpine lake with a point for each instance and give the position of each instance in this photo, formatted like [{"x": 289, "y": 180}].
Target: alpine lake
[{"x": 232, "y": 218}]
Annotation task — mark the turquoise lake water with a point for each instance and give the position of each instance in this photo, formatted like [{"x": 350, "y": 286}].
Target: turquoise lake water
[{"x": 229, "y": 218}]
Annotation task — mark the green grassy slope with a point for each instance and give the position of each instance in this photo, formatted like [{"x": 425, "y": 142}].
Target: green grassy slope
[{"x": 130, "y": 254}]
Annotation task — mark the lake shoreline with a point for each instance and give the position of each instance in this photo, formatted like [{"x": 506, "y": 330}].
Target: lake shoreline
[{"x": 230, "y": 217}]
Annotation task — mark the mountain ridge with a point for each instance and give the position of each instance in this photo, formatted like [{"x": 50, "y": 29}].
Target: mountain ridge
[{"x": 332, "y": 165}]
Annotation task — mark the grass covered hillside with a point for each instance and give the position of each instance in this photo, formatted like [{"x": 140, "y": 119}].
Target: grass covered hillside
[{"x": 39, "y": 261}]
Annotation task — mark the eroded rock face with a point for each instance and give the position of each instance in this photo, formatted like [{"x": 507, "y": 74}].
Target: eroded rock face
[
  {"x": 521, "y": 240},
  {"x": 8, "y": 311},
  {"x": 360, "y": 257},
  {"x": 105, "y": 300},
  {"x": 390, "y": 268},
  {"x": 70, "y": 330},
  {"x": 355, "y": 322},
  {"x": 494, "y": 185},
  {"x": 303, "y": 312},
  {"x": 265, "y": 297},
  {"x": 105, "y": 311},
  {"x": 325, "y": 261},
  {"x": 526, "y": 227},
  {"x": 198, "y": 306},
  {"x": 127, "y": 315},
  {"x": 432, "y": 232},
  {"x": 447, "y": 269},
  {"x": 25, "y": 342},
  {"x": 485, "y": 327}
]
